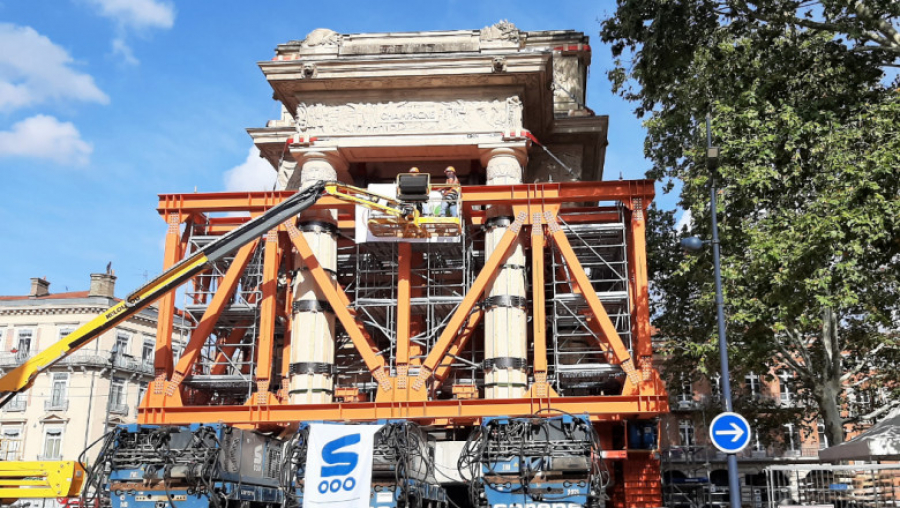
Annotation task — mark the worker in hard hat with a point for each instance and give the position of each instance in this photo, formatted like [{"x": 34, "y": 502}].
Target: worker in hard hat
[{"x": 450, "y": 193}]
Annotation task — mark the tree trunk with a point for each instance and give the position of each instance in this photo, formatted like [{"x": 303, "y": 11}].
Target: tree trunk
[{"x": 827, "y": 396}]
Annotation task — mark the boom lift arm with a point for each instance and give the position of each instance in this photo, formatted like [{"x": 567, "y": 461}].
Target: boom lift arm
[{"x": 23, "y": 376}]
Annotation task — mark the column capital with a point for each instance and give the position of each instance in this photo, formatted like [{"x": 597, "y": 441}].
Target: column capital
[
  {"x": 517, "y": 149},
  {"x": 318, "y": 164},
  {"x": 331, "y": 156}
]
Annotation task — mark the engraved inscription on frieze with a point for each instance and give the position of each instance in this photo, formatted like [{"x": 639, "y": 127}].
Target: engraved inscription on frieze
[{"x": 410, "y": 117}]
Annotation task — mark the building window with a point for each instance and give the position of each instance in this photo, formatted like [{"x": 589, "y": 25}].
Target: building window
[
  {"x": 685, "y": 395},
  {"x": 823, "y": 437},
  {"x": 122, "y": 339},
  {"x": 117, "y": 393},
  {"x": 142, "y": 390},
  {"x": 24, "y": 340},
  {"x": 686, "y": 432},
  {"x": 11, "y": 445},
  {"x": 65, "y": 330},
  {"x": 58, "y": 391},
  {"x": 53, "y": 443},
  {"x": 785, "y": 387},
  {"x": 751, "y": 383},
  {"x": 792, "y": 440},
  {"x": 147, "y": 351}
]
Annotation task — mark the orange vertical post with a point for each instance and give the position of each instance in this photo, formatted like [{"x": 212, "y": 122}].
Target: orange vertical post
[
  {"x": 539, "y": 319},
  {"x": 404, "y": 310},
  {"x": 265, "y": 343},
  {"x": 640, "y": 314},
  {"x": 163, "y": 360}
]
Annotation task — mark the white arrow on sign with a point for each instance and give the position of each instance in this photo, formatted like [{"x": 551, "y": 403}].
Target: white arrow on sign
[{"x": 736, "y": 431}]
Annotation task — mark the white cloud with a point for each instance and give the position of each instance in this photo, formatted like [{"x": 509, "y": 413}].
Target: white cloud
[
  {"x": 685, "y": 220},
  {"x": 121, "y": 48},
  {"x": 45, "y": 137},
  {"x": 254, "y": 174},
  {"x": 138, "y": 14},
  {"x": 34, "y": 70},
  {"x": 134, "y": 16}
]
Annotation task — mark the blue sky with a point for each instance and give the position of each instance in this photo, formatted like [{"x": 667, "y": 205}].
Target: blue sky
[{"x": 106, "y": 103}]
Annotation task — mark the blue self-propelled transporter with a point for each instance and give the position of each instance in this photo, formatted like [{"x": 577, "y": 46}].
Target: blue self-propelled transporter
[{"x": 548, "y": 462}]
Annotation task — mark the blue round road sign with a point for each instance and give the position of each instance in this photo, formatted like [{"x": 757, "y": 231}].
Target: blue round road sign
[{"x": 730, "y": 432}]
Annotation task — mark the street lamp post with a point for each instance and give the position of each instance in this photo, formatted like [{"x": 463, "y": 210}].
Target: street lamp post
[{"x": 694, "y": 244}]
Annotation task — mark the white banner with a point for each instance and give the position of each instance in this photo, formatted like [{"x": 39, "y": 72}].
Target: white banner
[{"x": 339, "y": 465}]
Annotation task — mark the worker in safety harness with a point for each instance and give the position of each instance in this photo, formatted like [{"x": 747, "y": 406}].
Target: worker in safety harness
[{"x": 450, "y": 193}]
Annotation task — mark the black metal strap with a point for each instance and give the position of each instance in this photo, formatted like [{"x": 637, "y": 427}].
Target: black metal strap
[
  {"x": 507, "y": 301},
  {"x": 512, "y": 266},
  {"x": 311, "y": 368},
  {"x": 317, "y": 226},
  {"x": 312, "y": 306},
  {"x": 504, "y": 362},
  {"x": 501, "y": 221},
  {"x": 327, "y": 270},
  {"x": 506, "y": 385},
  {"x": 311, "y": 390}
]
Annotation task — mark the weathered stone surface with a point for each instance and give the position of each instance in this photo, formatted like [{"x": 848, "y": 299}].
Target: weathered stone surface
[{"x": 410, "y": 117}]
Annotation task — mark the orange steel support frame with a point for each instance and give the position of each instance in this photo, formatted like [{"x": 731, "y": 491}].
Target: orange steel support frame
[{"x": 535, "y": 205}]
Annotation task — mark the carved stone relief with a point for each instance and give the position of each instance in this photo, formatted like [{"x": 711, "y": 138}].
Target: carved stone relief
[
  {"x": 410, "y": 117},
  {"x": 503, "y": 30},
  {"x": 321, "y": 37}
]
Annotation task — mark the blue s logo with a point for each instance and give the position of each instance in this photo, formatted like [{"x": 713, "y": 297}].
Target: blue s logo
[
  {"x": 339, "y": 464},
  {"x": 342, "y": 463}
]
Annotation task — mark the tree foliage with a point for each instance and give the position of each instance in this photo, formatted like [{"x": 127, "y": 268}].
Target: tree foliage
[{"x": 809, "y": 185}]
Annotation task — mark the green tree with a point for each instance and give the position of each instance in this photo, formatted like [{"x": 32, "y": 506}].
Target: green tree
[{"x": 810, "y": 186}]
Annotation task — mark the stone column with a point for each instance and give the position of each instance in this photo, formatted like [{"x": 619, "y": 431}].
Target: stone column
[
  {"x": 311, "y": 375},
  {"x": 505, "y": 317}
]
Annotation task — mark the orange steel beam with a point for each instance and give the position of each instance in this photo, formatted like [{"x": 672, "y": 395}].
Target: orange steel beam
[
  {"x": 265, "y": 345},
  {"x": 162, "y": 360},
  {"x": 538, "y": 299},
  {"x": 404, "y": 310},
  {"x": 640, "y": 315},
  {"x": 340, "y": 304},
  {"x": 286, "y": 341},
  {"x": 208, "y": 322},
  {"x": 451, "y": 331},
  {"x": 599, "y": 408},
  {"x": 556, "y": 193},
  {"x": 599, "y": 316},
  {"x": 440, "y": 373},
  {"x": 254, "y": 202}
]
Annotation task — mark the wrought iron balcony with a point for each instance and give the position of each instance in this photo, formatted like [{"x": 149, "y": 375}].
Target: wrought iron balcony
[
  {"x": 14, "y": 405},
  {"x": 96, "y": 359},
  {"x": 56, "y": 405}
]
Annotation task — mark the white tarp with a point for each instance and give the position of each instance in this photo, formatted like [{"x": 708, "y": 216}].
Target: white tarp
[
  {"x": 339, "y": 465},
  {"x": 882, "y": 441}
]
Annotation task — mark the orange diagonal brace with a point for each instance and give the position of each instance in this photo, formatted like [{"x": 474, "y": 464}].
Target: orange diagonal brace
[
  {"x": 340, "y": 303},
  {"x": 208, "y": 322},
  {"x": 451, "y": 332},
  {"x": 607, "y": 331},
  {"x": 440, "y": 374},
  {"x": 267, "y": 310}
]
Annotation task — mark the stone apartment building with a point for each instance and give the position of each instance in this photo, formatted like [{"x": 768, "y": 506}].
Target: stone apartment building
[{"x": 76, "y": 401}]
